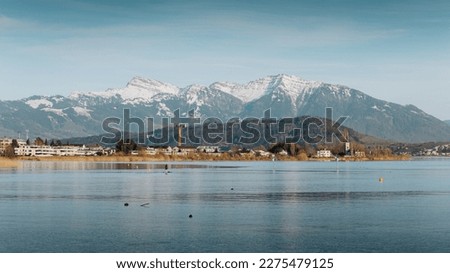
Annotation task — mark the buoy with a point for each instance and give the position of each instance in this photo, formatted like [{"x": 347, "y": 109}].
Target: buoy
[
  {"x": 381, "y": 179},
  {"x": 232, "y": 189},
  {"x": 126, "y": 204},
  {"x": 190, "y": 215}
]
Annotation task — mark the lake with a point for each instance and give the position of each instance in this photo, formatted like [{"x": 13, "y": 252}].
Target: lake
[{"x": 235, "y": 207}]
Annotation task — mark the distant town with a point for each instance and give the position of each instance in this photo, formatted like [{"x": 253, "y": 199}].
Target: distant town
[
  {"x": 38, "y": 148},
  {"x": 422, "y": 149}
]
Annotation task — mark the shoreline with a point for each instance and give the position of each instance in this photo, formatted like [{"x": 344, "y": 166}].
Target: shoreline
[
  {"x": 10, "y": 163},
  {"x": 16, "y": 162}
]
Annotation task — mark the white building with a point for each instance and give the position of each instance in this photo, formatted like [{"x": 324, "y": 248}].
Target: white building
[
  {"x": 45, "y": 150},
  {"x": 151, "y": 151},
  {"x": 347, "y": 149},
  {"x": 208, "y": 149},
  {"x": 34, "y": 150},
  {"x": 4, "y": 143},
  {"x": 263, "y": 153},
  {"x": 324, "y": 153},
  {"x": 165, "y": 150}
]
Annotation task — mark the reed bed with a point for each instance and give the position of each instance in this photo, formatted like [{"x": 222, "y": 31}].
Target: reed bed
[{"x": 9, "y": 163}]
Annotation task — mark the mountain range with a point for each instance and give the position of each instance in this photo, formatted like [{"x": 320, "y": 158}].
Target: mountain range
[{"x": 81, "y": 113}]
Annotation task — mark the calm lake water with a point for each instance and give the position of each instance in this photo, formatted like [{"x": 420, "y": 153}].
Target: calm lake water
[{"x": 235, "y": 207}]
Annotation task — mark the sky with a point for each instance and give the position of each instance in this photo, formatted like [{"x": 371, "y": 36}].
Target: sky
[{"x": 397, "y": 51}]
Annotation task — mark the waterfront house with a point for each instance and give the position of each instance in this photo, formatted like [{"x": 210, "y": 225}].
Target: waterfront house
[{"x": 324, "y": 153}]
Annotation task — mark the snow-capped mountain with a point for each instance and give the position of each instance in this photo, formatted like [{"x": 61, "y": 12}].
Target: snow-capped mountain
[
  {"x": 138, "y": 90},
  {"x": 81, "y": 114},
  {"x": 292, "y": 86}
]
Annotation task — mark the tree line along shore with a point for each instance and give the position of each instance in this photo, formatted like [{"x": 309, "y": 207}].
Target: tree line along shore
[
  {"x": 14, "y": 151},
  {"x": 16, "y": 161}
]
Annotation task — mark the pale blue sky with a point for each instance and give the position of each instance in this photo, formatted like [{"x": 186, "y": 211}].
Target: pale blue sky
[{"x": 393, "y": 50}]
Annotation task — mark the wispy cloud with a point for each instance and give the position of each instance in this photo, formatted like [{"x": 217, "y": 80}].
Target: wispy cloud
[{"x": 8, "y": 23}]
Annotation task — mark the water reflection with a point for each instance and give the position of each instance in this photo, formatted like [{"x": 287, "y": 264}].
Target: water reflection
[
  {"x": 289, "y": 207},
  {"x": 83, "y": 166}
]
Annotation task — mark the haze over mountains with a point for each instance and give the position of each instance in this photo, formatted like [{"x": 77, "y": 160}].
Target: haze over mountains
[{"x": 81, "y": 114}]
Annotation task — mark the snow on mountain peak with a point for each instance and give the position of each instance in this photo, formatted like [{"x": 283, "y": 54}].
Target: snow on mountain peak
[
  {"x": 137, "y": 90},
  {"x": 246, "y": 92},
  {"x": 192, "y": 88},
  {"x": 142, "y": 90},
  {"x": 193, "y": 95},
  {"x": 139, "y": 83},
  {"x": 36, "y": 103},
  {"x": 81, "y": 111},
  {"x": 292, "y": 85}
]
